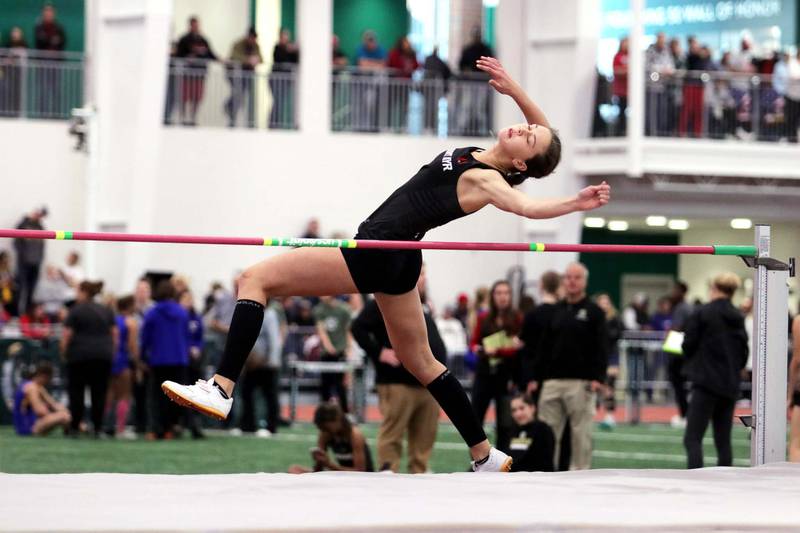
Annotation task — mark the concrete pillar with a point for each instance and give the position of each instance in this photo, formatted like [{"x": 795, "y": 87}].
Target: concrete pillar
[
  {"x": 314, "y": 30},
  {"x": 128, "y": 57}
]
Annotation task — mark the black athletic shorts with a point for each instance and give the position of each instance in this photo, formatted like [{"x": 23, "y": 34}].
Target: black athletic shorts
[
  {"x": 796, "y": 398},
  {"x": 386, "y": 271}
]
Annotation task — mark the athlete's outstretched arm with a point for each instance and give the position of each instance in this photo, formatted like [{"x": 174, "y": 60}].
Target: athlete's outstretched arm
[
  {"x": 501, "y": 195},
  {"x": 505, "y": 84}
]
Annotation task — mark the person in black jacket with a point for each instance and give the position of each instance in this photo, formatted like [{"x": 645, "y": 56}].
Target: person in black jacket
[
  {"x": 573, "y": 366},
  {"x": 406, "y": 406},
  {"x": 194, "y": 49},
  {"x": 715, "y": 347},
  {"x": 532, "y": 441}
]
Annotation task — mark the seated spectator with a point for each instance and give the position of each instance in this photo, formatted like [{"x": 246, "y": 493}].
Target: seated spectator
[
  {"x": 52, "y": 292},
  {"x": 346, "y": 442},
  {"x": 715, "y": 348},
  {"x": 35, "y": 324},
  {"x": 165, "y": 349},
  {"x": 532, "y": 442},
  {"x": 35, "y": 411}
]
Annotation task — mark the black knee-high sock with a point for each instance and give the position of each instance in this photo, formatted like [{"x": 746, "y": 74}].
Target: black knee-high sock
[
  {"x": 245, "y": 327},
  {"x": 453, "y": 400}
]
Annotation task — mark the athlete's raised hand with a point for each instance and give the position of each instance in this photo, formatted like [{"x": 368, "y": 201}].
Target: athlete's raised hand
[
  {"x": 501, "y": 81},
  {"x": 594, "y": 196}
]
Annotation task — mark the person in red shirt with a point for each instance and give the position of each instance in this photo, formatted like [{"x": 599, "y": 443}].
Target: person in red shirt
[
  {"x": 496, "y": 343},
  {"x": 620, "y": 85},
  {"x": 35, "y": 324},
  {"x": 402, "y": 63}
]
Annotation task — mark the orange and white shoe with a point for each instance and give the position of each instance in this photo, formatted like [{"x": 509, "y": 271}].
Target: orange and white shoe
[
  {"x": 496, "y": 461},
  {"x": 203, "y": 397}
]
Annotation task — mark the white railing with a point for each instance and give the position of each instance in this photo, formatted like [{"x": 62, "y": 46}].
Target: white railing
[
  {"x": 40, "y": 85},
  {"x": 708, "y": 105},
  {"x": 382, "y": 101},
  {"x": 225, "y": 94}
]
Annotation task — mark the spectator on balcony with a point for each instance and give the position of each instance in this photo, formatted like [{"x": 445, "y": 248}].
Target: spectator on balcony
[
  {"x": 49, "y": 38},
  {"x": 619, "y": 87},
  {"x": 715, "y": 347},
  {"x": 437, "y": 74},
  {"x": 697, "y": 63},
  {"x": 244, "y": 58},
  {"x": 658, "y": 61},
  {"x": 741, "y": 66},
  {"x": 473, "y": 102},
  {"x": 194, "y": 49},
  {"x": 285, "y": 57},
  {"x": 30, "y": 253},
  {"x": 87, "y": 347},
  {"x": 371, "y": 61},
  {"x": 164, "y": 345},
  {"x": 402, "y": 62},
  {"x": 721, "y": 103},
  {"x": 11, "y": 72},
  {"x": 339, "y": 58},
  {"x": 51, "y": 294},
  {"x": 173, "y": 78},
  {"x": 786, "y": 82}
]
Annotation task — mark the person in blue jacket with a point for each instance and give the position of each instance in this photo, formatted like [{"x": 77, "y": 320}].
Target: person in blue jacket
[{"x": 165, "y": 343}]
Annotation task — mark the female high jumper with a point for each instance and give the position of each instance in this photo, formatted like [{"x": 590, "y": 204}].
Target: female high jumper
[{"x": 456, "y": 183}]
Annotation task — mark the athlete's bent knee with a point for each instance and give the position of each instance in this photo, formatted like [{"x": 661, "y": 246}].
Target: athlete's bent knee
[{"x": 252, "y": 280}]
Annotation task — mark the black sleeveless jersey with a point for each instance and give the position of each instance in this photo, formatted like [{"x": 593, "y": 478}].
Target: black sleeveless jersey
[
  {"x": 426, "y": 201},
  {"x": 343, "y": 453}
]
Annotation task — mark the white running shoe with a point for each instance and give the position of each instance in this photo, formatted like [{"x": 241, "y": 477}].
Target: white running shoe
[
  {"x": 263, "y": 433},
  {"x": 203, "y": 397},
  {"x": 677, "y": 422},
  {"x": 496, "y": 462}
]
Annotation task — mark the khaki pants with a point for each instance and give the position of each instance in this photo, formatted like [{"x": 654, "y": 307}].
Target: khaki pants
[
  {"x": 570, "y": 398},
  {"x": 404, "y": 407}
]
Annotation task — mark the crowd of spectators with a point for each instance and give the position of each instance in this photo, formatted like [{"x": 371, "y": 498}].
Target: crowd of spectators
[
  {"x": 546, "y": 364},
  {"x": 48, "y": 44},
  {"x": 700, "y": 92}
]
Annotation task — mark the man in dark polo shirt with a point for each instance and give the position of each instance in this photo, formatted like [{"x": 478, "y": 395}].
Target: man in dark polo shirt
[
  {"x": 406, "y": 406},
  {"x": 574, "y": 366}
]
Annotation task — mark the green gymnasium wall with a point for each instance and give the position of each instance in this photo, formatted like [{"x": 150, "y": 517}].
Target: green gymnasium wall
[
  {"x": 26, "y": 14},
  {"x": 606, "y": 270},
  {"x": 389, "y": 19}
]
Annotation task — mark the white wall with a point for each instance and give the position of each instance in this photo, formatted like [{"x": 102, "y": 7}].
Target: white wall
[{"x": 40, "y": 167}]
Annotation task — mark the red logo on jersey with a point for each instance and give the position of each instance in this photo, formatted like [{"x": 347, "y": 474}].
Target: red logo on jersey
[{"x": 462, "y": 160}]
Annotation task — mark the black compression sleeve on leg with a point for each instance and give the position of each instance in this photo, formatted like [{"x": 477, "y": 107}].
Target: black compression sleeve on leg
[
  {"x": 245, "y": 327},
  {"x": 451, "y": 397}
]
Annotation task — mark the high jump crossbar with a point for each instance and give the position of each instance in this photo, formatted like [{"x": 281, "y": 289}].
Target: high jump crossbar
[
  {"x": 770, "y": 297},
  {"x": 714, "y": 249}
]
